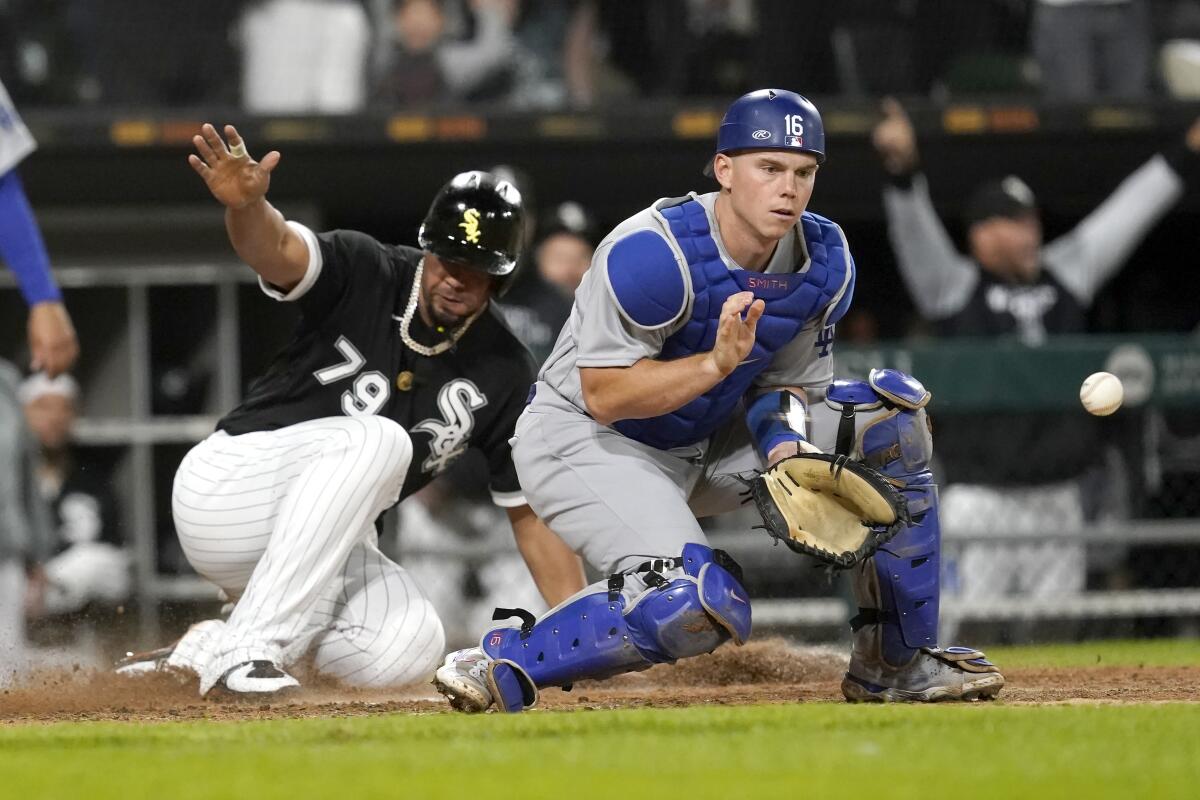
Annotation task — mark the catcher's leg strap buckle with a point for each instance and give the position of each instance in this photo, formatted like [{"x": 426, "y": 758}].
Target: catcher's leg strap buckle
[
  {"x": 527, "y": 619},
  {"x": 872, "y": 616}
]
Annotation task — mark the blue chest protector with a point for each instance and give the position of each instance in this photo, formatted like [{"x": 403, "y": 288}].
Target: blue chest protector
[{"x": 791, "y": 301}]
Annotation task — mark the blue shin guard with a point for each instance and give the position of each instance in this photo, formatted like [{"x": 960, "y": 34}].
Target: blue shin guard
[
  {"x": 898, "y": 587},
  {"x": 895, "y": 655},
  {"x": 665, "y": 610}
]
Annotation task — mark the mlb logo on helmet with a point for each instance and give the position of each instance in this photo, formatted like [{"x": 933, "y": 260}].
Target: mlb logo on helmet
[{"x": 793, "y": 141}]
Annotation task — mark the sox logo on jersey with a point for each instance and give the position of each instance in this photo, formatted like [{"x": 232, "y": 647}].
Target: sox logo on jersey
[{"x": 457, "y": 399}]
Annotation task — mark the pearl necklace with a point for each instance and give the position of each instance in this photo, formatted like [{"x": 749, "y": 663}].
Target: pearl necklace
[{"x": 411, "y": 309}]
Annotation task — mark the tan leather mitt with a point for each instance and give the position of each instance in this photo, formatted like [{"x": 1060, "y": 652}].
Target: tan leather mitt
[{"x": 833, "y": 509}]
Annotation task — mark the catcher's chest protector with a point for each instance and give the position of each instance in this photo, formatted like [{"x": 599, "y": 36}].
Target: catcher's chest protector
[{"x": 791, "y": 299}]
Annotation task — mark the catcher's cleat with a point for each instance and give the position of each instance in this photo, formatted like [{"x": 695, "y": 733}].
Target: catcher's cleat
[
  {"x": 472, "y": 681},
  {"x": 464, "y": 682},
  {"x": 933, "y": 674},
  {"x": 256, "y": 680}
]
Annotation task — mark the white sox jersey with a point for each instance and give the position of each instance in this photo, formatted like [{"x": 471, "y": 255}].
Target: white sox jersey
[{"x": 347, "y": 358}]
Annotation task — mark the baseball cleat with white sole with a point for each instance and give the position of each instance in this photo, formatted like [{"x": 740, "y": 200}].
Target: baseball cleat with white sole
[
  {"x": 934, "y": 674},
  {"x": 256, "y": 680},
  {"x": 472, "y": 681},
  {"x": 145, "y": 663}
]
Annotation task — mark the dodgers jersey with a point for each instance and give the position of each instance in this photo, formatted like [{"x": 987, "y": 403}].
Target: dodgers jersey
[
  {"x": 16, "y": 141},
  {"x": 347, "y": 357},
  {"x": 598, "y": 335}
]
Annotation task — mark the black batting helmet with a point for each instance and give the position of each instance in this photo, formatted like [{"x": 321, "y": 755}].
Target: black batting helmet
[{"x": 476, "y": 219}]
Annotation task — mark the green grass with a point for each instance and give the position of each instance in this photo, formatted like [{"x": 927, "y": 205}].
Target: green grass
[
  {"x": 817, "y": 750},
  {"x": 1104, "y": 652}
]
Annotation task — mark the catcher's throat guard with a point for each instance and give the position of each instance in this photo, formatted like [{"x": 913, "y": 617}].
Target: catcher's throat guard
[{"x": 836, "y": 510}]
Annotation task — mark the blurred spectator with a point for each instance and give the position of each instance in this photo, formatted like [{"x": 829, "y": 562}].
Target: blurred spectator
[
  {"x": 89, "y": 564},
  {"x": 540, "y": 302},
  {"x": 1016, "y": 472},
  {"x": 25, "y": 533},
  {"x": 425, "y": 65},
  {"x": 26, "y": 536},
  {"x": 304, "y": 56},
  {"x": 458, "y": 547},
  {"x": 1088, "y": 49}
]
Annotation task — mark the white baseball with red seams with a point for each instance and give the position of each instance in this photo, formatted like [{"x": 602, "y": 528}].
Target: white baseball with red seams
[{"x": 1101, "y": 393}]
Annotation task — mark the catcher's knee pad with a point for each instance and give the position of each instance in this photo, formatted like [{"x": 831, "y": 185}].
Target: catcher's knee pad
[
  {"x": 678, "y": 607},
  {"x": 883, "y": 424}
]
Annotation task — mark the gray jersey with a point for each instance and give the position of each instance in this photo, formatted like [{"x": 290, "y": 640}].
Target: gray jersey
[
  {"x": 941, "y": 280},
  {"x": 16, "y": 141},
  {"x": 597, "y": 334}
]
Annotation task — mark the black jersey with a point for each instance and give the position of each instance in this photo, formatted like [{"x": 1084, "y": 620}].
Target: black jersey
[
  {"x": 1019, "y": 447},
  {"x": 347, "y": 357},
  {"x": 1029, "y": 310}
]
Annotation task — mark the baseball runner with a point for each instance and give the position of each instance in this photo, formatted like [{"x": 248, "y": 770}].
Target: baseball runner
[
  {"x": 699, "y": 342},
  {"x": 24, "y": 530},
  {"x": 398, "y": 365}
]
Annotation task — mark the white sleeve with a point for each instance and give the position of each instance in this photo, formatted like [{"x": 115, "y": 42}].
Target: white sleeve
[
  {"x": 1084, "y": 259},
  {"x": 16, "y": 141},
  {"x": 939, "y": 278},
  {"x": 311, "y": 272},
  {"x": 509, "y": 499}
]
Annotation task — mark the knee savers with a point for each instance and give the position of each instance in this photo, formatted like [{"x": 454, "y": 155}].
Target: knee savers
[
  {"x": 688, "y": 606},
  {"x": 883, "y": 424}
]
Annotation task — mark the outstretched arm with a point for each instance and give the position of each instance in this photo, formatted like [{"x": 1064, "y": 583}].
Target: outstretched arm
[
  {"x": 938, "y": 277},
  {"x": 257, "y": 231},
  {"x": 1087, "y": 257},
  {"x": 652, "y": 387},
  {"x": 52, "y": 342},
  {"x": 556, "y": 569}
]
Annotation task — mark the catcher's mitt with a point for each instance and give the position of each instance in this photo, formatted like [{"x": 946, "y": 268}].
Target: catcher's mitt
[{"x": 836, "y": 510}]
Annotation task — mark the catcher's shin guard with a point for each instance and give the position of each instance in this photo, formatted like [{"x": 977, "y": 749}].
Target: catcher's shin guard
[
  {"x": 664, "y": 610},
  {"x": 897, "y": 589},
  {"x": 895, "y": 655}
]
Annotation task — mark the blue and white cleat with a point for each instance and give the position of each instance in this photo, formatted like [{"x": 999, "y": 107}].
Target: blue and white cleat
[{"x": 472, "y": 681}]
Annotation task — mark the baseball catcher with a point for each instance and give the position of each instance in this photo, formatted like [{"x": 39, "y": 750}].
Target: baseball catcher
[{"x": 698, "y": 348}]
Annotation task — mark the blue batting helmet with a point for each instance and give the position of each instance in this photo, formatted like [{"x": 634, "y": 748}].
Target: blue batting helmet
[{"x": 771, "y": 119}]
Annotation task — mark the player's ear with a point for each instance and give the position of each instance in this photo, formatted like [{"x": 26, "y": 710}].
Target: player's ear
[{"x": 723, "y": 170}]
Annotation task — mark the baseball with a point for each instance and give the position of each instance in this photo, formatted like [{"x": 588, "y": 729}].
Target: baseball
[{"x": 1101, "y": 393}]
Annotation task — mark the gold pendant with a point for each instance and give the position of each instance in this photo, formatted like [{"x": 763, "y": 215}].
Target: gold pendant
[{"x": 404, "y": 381}]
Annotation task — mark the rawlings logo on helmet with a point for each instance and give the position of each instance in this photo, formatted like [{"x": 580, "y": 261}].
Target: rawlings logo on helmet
[{"x": 761, "y": 134}]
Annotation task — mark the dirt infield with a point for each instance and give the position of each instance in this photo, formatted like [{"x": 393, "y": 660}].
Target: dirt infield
[{"x": 768, "y": 671}]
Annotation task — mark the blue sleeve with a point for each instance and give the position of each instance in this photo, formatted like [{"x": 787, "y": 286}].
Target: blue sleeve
[{"x": 21, "y": 244}]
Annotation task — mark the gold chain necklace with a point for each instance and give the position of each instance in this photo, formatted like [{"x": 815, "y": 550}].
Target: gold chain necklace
[{"x": 411, "y": 309}]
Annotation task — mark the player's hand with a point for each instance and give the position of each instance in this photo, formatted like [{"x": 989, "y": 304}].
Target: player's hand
[
  {"x": 788, "y": 449},
  {"x": 235, "y": 180},
  {"x": 895, "y": 140},
  {"x": 735, "y": 334},
  {"x": 53, "y": 345}
]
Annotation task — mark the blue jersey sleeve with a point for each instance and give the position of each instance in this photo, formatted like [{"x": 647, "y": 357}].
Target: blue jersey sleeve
[{"x": 21, "y": 244}]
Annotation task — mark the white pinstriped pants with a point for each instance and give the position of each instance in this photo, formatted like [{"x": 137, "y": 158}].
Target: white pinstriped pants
[{"x": 283, "y": 521}]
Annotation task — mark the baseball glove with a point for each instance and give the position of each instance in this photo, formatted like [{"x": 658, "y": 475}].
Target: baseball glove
[{"x": 836, "y": 510}]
